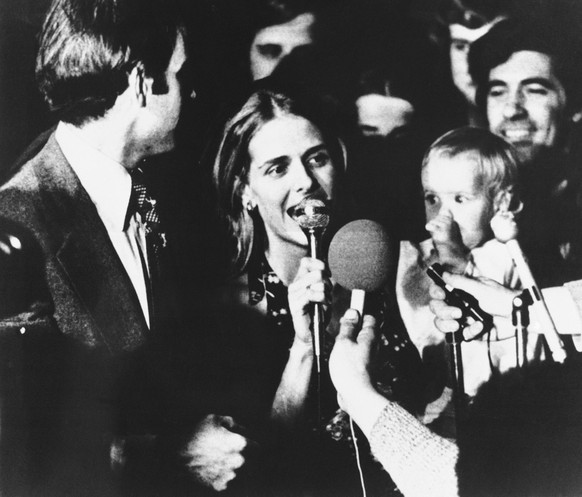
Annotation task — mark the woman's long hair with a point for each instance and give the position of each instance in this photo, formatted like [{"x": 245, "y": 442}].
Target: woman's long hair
[{"x": 231, "y": 166}]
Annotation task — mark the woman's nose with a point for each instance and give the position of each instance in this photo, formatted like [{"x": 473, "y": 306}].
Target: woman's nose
[{"x": 302, "y": 177}]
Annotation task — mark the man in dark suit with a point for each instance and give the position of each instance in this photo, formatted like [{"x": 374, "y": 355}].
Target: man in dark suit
[{"x": 104, "y": 402}]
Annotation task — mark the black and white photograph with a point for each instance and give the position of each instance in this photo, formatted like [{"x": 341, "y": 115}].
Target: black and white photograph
[{"x": 290, "y": 248}]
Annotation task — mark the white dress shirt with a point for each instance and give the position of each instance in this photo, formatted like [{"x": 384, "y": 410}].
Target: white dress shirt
[{"x": 108, "y": 184}]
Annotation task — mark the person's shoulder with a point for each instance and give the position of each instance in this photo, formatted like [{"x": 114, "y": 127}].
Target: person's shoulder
[
  {"x": 25, "y": 172},
  {"x": 20, "y": 192}
]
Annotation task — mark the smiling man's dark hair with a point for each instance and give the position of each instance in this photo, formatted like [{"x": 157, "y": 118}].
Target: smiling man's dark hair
[{"x": 511, "y": 36}]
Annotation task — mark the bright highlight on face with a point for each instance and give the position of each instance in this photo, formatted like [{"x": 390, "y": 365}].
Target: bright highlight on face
[
  {"x": 289, "y": 161},
  {"x": 453, "y": 186},
  {"x": 461, "y": 39},
  {"x": 380, "y": 115},
  {"x": 273, "y": 43}
]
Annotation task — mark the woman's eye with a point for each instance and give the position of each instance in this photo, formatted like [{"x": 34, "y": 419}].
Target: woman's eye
[
  {"x": 460, "y": 199},
  {"x": 318, "y": 160},
  {"x": 277, "y": 170}
]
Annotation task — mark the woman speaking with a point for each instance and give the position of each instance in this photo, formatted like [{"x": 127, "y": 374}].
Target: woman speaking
[{"x": 275, "y": 153}]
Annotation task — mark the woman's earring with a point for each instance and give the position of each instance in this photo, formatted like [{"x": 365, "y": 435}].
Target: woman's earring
[{"x": 249, "y": 205}]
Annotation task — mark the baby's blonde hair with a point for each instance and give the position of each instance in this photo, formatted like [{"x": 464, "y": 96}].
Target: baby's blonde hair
[{"x": 497, "y": 160}]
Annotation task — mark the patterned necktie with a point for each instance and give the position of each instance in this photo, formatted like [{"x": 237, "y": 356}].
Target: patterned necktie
[{"x": 145, "y": 204}]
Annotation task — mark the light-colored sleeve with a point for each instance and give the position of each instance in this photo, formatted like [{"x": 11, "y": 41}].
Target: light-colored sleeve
[
  {"x": 565, "y": 306},
  {"x": 492, "y": 260},
  {"x": 419, "y": 462}
]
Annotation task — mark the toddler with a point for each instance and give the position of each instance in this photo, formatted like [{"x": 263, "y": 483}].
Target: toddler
[{"x": 468, "y": 175}]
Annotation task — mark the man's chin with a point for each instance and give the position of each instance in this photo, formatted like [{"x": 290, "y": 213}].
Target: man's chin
[
  {"x": 526, "y": 152},
  {"x": 164, "y": 147}
]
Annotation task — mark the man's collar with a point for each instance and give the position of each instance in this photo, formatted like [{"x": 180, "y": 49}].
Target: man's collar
[{"x": 106, "y": 181}]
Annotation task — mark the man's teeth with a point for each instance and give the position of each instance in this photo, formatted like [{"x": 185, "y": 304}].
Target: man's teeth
[{"x": 516, "y": 134}]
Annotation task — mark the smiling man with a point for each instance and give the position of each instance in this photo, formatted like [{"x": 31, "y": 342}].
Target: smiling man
[{"x": 529, "y": 85}]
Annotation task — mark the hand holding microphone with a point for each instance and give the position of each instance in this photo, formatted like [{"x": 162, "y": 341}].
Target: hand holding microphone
[
  {"x": 312, "y": 216},
  {"x": 360, "y": 260}
]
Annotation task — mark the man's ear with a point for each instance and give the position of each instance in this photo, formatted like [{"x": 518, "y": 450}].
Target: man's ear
[{"x": 140, "y": 85}]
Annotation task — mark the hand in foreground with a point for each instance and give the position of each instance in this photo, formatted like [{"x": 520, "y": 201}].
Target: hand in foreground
[
  {"x": 493, "y": 298},
  {"x": 214, "y": 453},
  {"x": 351, "y": 359},
  {"x": 350, "y": 366},
  {"x": 311, "y": 284}
]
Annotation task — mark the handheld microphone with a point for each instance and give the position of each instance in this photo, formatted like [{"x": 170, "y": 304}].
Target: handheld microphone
[
  {"x": 505, "y": 230},
  {"x": 461, "y": 299},
  {"x": 312, "y": 216},
  {"x": 359, "y": 259}
]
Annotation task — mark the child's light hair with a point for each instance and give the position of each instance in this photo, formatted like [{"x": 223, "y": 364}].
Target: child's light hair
[{"x": 497, "y": 160}]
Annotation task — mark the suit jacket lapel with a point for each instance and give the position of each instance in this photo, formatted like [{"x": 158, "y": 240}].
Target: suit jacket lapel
[{"x": 89, "y": 259}]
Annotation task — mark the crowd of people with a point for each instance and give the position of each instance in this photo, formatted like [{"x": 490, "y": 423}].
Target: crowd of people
[{"x": 160, "y": 303}]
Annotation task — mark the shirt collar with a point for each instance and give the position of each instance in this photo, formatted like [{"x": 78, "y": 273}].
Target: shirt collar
[{"x": 106, "y": 181}]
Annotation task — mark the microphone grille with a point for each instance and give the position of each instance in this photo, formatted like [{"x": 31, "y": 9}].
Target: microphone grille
[
  {"x": 311, "y": 213},
  {"x": 359, "y": 256}
]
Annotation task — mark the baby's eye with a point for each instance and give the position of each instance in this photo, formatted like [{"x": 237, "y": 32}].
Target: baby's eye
[
  {"x": 430, "y": 199},
  {"x": 318, "y": 159},
  {"x": 461, "y": 199}
]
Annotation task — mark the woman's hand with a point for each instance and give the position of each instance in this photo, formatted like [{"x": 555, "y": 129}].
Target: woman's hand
[{"x": 311, "y": 285}]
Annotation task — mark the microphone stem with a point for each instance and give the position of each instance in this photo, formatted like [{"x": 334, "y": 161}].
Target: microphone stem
[
  {"x": 548, "y": 327},
  {"x": 457, "y": 376},
  {"x": 317, "y": 324},
  {"x": 313, "y": 246}
]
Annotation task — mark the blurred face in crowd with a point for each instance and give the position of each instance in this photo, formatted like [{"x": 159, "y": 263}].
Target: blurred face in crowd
[
  {"x": 289, "y": 162},
  {"x": 526, "y": 103},
  {"x": 461, "y": 39},
  {"x": 380, "y": 115},
  {"x": 273, "y": 43},
  {"x": 453, "y": 188}
]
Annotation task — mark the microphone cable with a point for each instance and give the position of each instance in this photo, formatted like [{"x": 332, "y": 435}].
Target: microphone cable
[{"x": 358, "y": 461}]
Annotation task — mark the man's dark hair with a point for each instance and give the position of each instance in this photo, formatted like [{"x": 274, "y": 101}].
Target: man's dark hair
[
  {"x": 523, "y": 436},
  {"x": 544, "y": 36},
  {"x": 89, "y": 47}
]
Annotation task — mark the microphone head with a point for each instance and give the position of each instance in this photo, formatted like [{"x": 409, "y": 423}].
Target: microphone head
[
  {"x": 359, "y": 256},
  {"x": 310, "y": 213}
]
